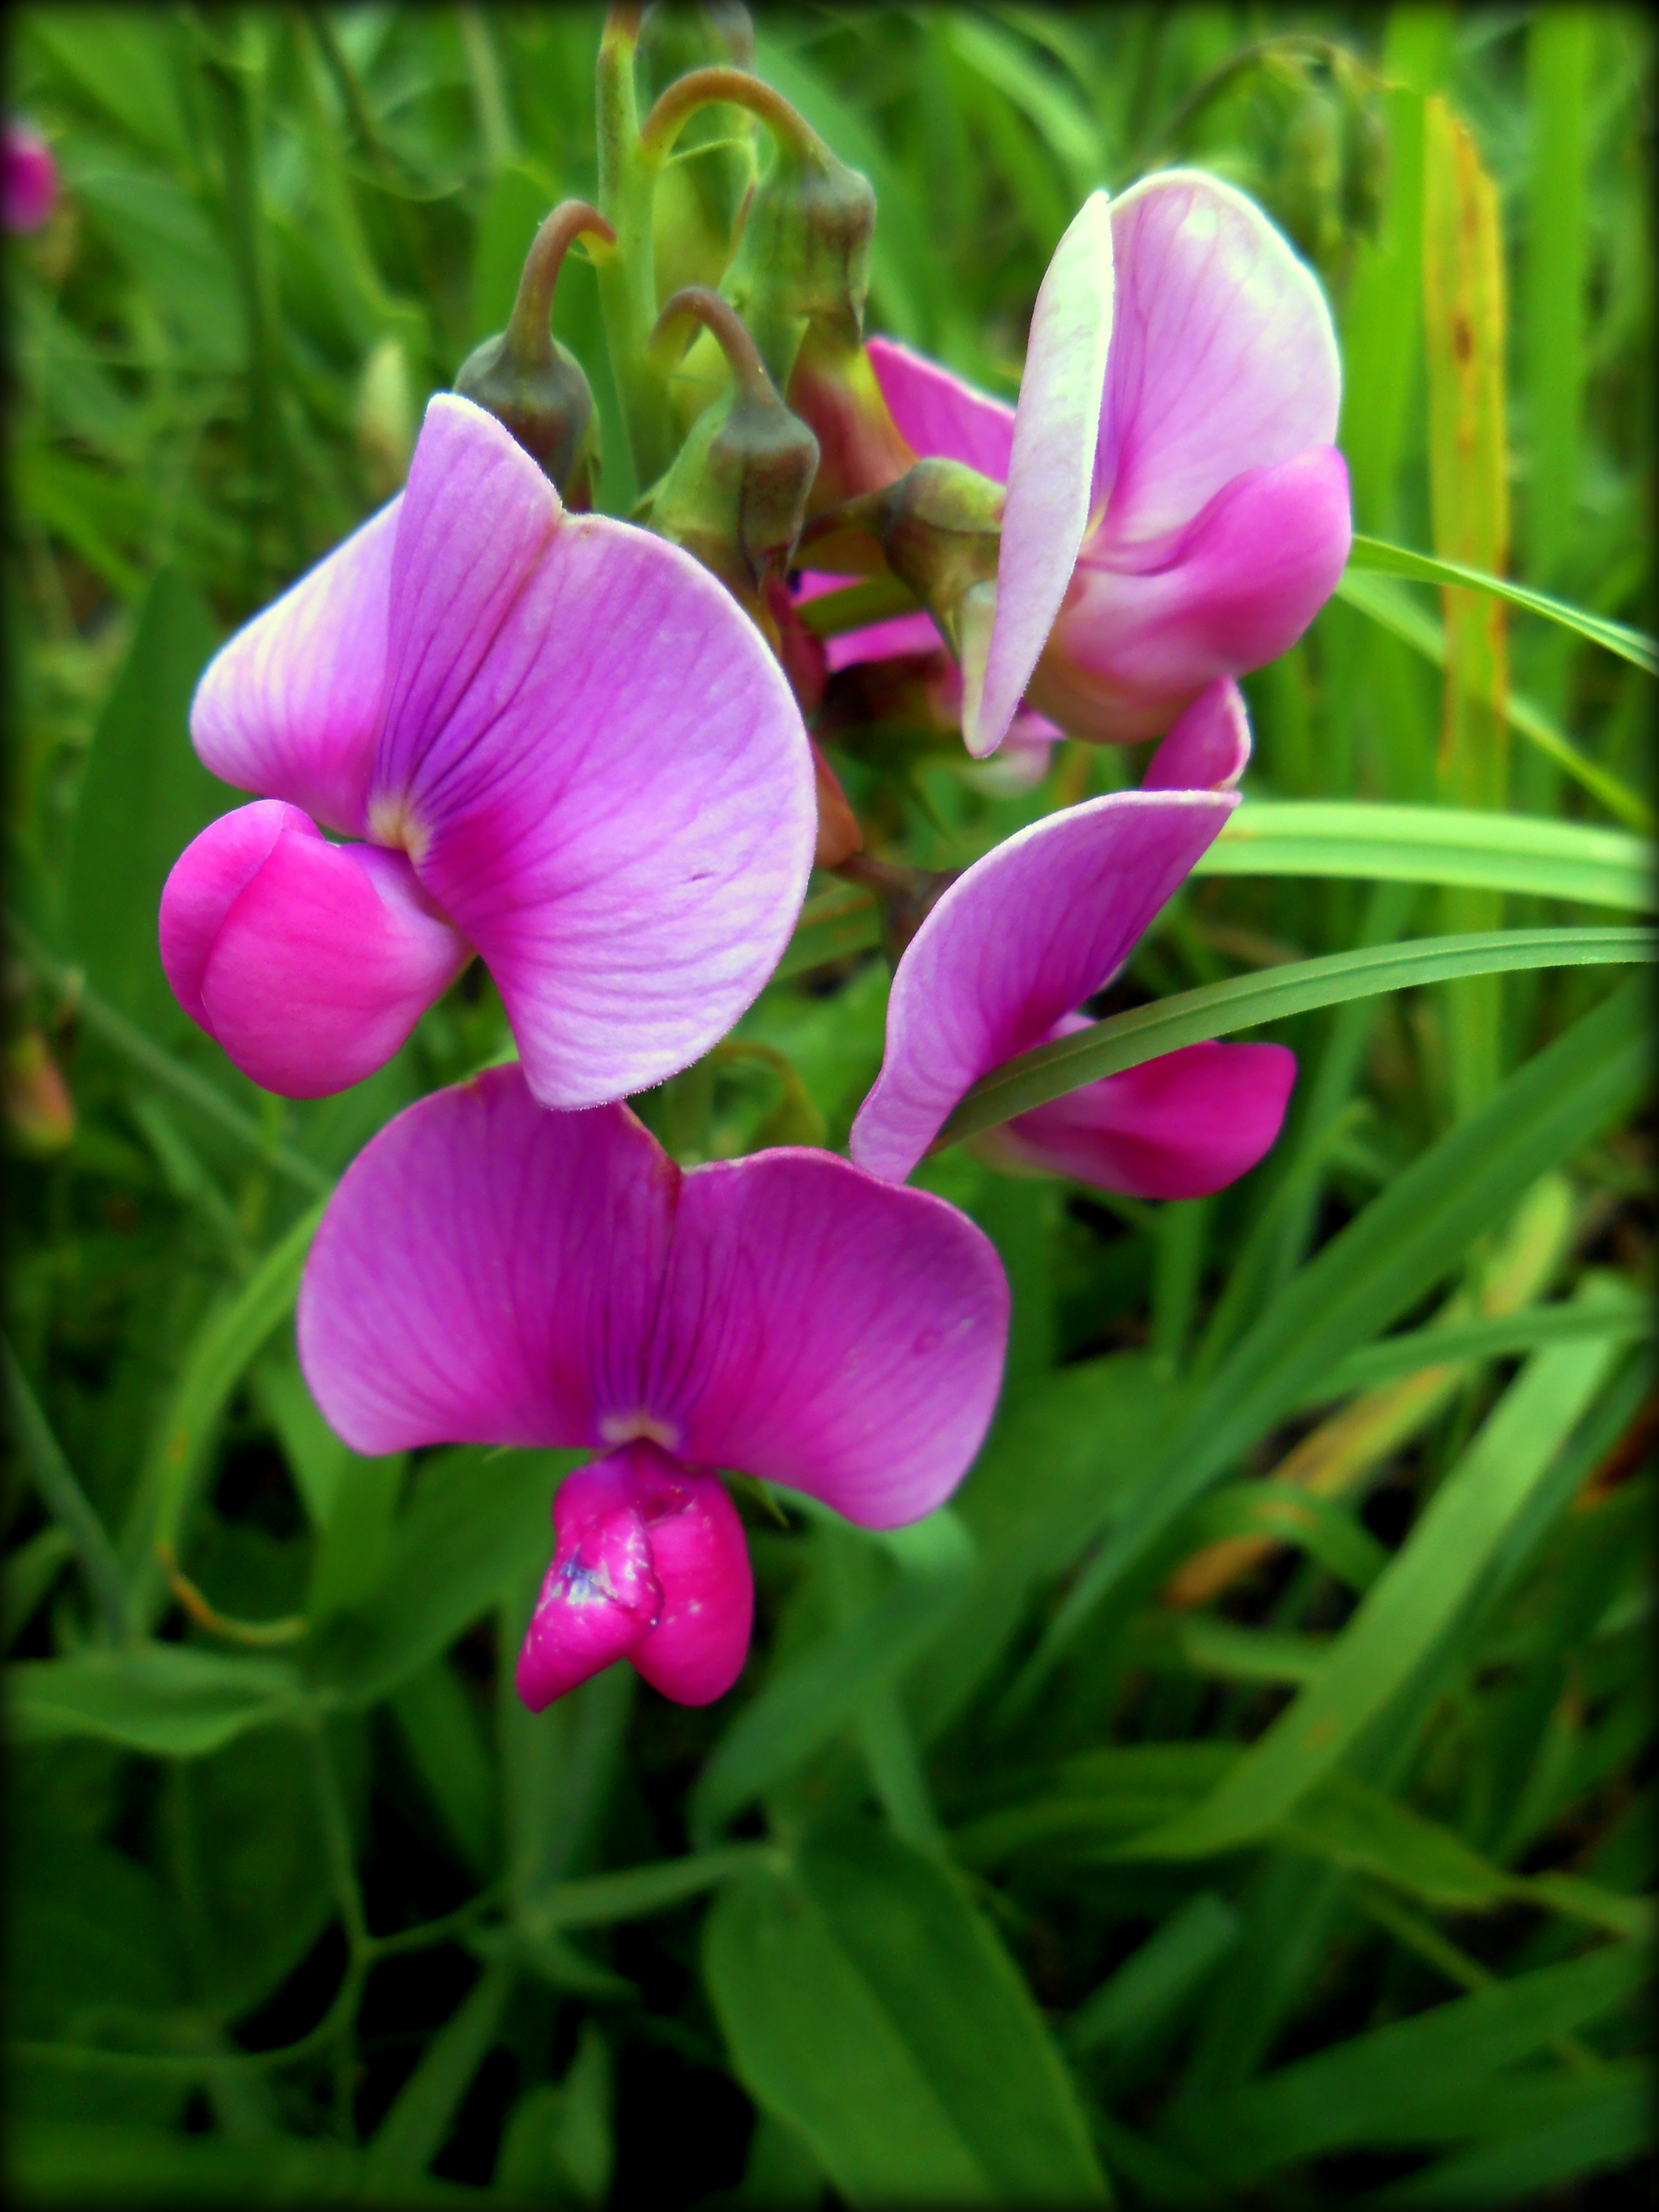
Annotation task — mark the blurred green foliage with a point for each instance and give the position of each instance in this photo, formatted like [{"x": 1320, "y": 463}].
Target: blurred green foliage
[{"x": 997, "y": 1879}]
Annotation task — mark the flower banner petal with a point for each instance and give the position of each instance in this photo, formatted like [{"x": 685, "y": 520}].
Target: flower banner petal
[
  {"x": 596, "y": 765},
  {"x": 1017, "y": 942},
  {"x": 291, "y": 707},
  {"x": 486, "y": 1273},
  {"x": 1223, "y": 357},
  {"x": 822, "y": 1329},
  {"x": 1051, "y": 469}
]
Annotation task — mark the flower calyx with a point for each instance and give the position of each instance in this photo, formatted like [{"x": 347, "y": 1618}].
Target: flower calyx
[{"x": 531, "y": 383}]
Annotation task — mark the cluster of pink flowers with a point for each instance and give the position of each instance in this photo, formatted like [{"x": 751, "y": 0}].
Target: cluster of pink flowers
[{"x": 552, "y": 740}]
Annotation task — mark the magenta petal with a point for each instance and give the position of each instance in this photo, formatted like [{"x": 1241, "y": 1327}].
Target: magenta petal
[
  {"x": 28, "y": 184},
  {"x": 824, "y": 1330},
  {"x": 1051, "y": 471},
  {"x": 486, "y": 1273},
  {"x": 1018, "y": 942},
  {"x": 1131, "y": 650},
  {"x": 600, "y": 1598},
  {"x": 937, "y": 414},
  {"x": 1224, "y": 358},
  {"x": 1209, "y": 747},
  {"x": 309, "y": 963},
  {"x": 700, "y": 1557},
  {"x": 1180, "y": 1127},
  {"x": 290, "y": 708},
  {"x": 595, "y": 763}
]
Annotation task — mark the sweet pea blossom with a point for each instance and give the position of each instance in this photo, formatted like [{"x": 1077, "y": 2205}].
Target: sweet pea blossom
[
  {"x": 29, "y": 192},
  {"x": 1190, "y": 521},
  {"x": 1014, "y": 946},
  {"x": 491, "y": 1273},
  {"x": 565, "y": 749}
]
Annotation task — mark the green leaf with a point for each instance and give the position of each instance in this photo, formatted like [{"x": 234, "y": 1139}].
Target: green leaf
[
  {"x": 1403, "y": 1243},
  {"x": 1451, "y": 845},
  {"x": 247, "y": 1853},
  {"x": 1051, "y": 1071},
  {"x": 477, "y": 1518},
  {"x": 1632, "y": 645},
  {"x": 1158, "y": 1977},
  {"x": 805, "y": 1704},
  {"x": 223, "y": 1348},
  {"x": 1612, "y": 2127},
  {"x": 1407, "y": 1608},
  {"x": 1394, "y": 610},
  {"x": 869, "y": 2007},
  {"x": 1366, "y": 2089},
  {"x": 144, "y": 797},
  {"x": 168, "y": 1699},
  {"x": 50, "y": 2163},
  {"x": 1500, "y": 1337}
]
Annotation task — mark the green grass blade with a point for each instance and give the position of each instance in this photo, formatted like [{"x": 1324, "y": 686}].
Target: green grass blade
[
  {"x": 1448, "y": 845},
  {"x": 1395, "y": 611},
  {"x": 1634, "y": 646},
  {"x": 1049, "y": 1070},
  {"x": 1404, "y": 1242}
]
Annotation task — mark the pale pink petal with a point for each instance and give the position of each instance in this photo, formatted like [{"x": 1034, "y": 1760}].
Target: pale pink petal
[
  {"x": 290, "y": 708},
  {"x": 486, "y": 1273},
  {"x": 309, "y": 963},
  {"x": 824, "y": 1330},
  {"x": 1209, "y": 747},
  {"x": 1224, "y": 358},
  {"x": 1018, "y": 941},
  {"x": 600, "y": 1597},
  {"x": 1132, "y": 650},
  {"x": 595, "y": 763},
  {"x": 937, "y": 414},
  {"x": 1180, "y": 1127},
  {"x": 1051, "y": 471}
]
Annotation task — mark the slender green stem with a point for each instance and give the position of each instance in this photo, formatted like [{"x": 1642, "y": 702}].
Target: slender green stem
[
  {"x": 116, "y": 1032},
  {"x": 69, "y": 1503},
  {"x": 627, "y": 278}
]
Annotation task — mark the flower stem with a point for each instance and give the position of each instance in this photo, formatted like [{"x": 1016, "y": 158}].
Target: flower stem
[{"x": 628, "y": 287}]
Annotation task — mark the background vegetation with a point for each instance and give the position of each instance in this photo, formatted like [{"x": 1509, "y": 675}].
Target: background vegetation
[{"x": 1244, "y": 1791}]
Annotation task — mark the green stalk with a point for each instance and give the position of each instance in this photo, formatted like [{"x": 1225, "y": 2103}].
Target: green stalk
[{"x": 627, "y": 278}]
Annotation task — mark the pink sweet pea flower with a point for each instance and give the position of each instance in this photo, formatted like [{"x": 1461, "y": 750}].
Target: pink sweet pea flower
[
  {"x": 30, "y": 189},
  {"x": 568, "y": 750},
  {"x": 1191, "y": 524},
  {"x": 1022, "y": 937},
  {"x": 490, "y": 1273}
]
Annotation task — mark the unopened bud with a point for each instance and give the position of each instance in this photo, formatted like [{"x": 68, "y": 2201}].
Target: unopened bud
[
  {"x": 803, "y": 258},
  {"x": 736, "y": 496},
  {"x": 940, "y": 527},
  {"x": 531, "y": 383},
  {"x": 802, "y": 263}
]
